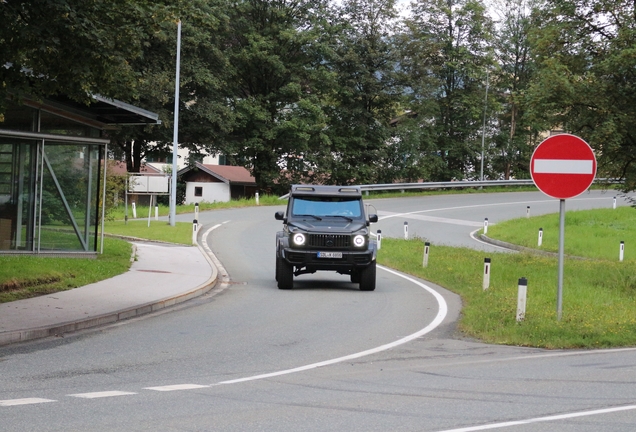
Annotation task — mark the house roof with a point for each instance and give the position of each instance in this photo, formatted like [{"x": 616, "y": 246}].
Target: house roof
[{"x": 225, "y": 173}]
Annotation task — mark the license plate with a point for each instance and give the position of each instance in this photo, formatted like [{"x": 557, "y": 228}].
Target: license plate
[{"x": 329, "y": 254}]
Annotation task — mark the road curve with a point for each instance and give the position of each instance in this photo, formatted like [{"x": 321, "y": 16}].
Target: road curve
[{"x": 361, "y": 361}]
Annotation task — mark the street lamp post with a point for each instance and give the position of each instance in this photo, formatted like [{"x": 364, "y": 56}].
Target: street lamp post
[
  {"x": 483, "y": 130},
  {"x": 175, "y": 137}
]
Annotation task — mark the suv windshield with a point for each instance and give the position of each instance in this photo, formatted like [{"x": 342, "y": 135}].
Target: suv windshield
[{"x": 327, "y": 206}]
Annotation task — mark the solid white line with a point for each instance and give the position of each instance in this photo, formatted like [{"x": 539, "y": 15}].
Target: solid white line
[
  {"x": 26, "y": 401},
  {"x": 441, "y": 314},
  {"x": 542, "y": 419},
  {"x": 177, "y": 387},
  {"x": 96, "y": 395},
  {"x": 563, "y": 166}
]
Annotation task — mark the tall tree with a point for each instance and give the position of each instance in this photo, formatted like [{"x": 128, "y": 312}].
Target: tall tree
[
  {"x": 364, "y": 94},
  {"x": 271, "y": 69},
  {"x": 447, "y": 59},
  {"x": 202, "y": 108},
  {"x": 74, "y": 47},
  {"x": 586, "y": 84},
  {"x": 514, "y": 135}
]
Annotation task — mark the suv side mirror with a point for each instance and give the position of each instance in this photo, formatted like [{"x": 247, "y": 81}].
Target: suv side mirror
[
  {"x": 373, "y": 218},
  {"x": 279, "y": 215}
]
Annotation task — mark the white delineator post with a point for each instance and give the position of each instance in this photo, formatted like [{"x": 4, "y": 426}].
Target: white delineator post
[
  {"x": 486, "y": 226},
  {"x": 196, "y": 211},
  {"x": 134, "y": 210},
  {"x": 540, "y": 240},
  {"x": 156, "y": 210},
  {"x": 379, "y": 236},
  {"x": 195, "y": 228},
  {"x": 528, "y": 212},
  {"x": 521, "y": 299},
  {"x": 486, "y": 284},
  {"x": 256, "y": 196},
  {"x": 427, "y": 248},
  {"x": 621, "y": 252},
  {"x": 406, "y": 230},
  {"x": 614, "y": 205}
]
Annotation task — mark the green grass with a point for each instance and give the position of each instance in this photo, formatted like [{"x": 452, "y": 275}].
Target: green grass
[
  {"x": 599, "y": 297},
  {"x": 26, "y": 276},
  {"x": 181, "y": 233},
  {"x": 588, "y": 233}
]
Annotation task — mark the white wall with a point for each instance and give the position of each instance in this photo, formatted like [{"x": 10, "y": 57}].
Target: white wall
[{"x": 211, "y": 192}]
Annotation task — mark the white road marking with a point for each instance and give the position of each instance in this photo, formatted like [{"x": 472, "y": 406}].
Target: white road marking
[
  {"x": 439, "y": 219},
  {"x": 26, "y": 401},
  {"x": 177, "y": 387},
  {"x": 563, "y": 166},
  {"x": 482, "y": 205},
  {"x": 441, "y": 314},
  {"x": 96, "y": 395},
  {"x": 543, "y": 419}
]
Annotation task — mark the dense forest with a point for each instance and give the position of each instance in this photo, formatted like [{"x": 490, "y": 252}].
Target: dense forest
[{"x": 347, "y": 91}]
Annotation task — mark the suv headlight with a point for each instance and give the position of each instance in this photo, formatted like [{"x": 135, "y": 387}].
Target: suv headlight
[
  {"x": 359, "y": 240},
  {"x": 299, "y": 239}
]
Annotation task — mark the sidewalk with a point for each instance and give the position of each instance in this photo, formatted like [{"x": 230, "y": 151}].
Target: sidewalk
[{"x": 162, "y": 275}]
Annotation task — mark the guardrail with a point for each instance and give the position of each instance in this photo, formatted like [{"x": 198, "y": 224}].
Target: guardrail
[
  {"x": 455, "y": 184},
  {"x": 445, "y": 185}
]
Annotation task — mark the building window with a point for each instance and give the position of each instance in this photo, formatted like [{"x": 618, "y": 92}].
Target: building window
[{"x": 198, "y": 191}]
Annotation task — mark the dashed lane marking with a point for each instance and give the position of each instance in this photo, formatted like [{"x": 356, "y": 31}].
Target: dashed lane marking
[
  {"x": 26, "y": 401},
  {"x": 177, "y": 387},
  {"x": 103, "y": 394}
]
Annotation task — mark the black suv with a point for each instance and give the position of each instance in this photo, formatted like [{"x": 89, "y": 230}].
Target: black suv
[{"x": 325, "y": 228}]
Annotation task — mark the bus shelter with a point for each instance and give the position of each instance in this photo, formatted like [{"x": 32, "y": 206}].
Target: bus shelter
[{"x": 52, "y": 173}]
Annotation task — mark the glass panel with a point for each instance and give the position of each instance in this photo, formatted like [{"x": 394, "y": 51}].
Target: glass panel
[
  {"x": 19, "y": 118},
  {"x": 69, "y": 191},
  {"x": 51, "y": 123},
  {"x": 17, "y": 186}
]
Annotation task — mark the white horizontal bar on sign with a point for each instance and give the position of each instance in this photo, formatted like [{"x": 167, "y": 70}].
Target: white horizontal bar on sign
[{"x": 563, "y": 166}]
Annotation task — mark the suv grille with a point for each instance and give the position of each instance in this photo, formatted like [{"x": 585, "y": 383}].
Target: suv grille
[{"x": 329, "y": 241}]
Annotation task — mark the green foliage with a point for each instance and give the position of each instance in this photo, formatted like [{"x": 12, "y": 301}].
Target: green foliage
[
  {"x": 585, "y": 84},
  {"x": 447, "y": 55}
]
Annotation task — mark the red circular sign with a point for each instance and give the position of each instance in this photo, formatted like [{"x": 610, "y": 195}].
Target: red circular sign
[{"x": 563, "y": 166}]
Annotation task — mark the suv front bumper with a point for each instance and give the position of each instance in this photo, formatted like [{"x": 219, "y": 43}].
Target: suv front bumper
[{"x": 309, "y": 259}]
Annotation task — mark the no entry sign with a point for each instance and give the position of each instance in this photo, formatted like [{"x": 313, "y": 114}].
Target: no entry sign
[{"x": 563, "y": 166}]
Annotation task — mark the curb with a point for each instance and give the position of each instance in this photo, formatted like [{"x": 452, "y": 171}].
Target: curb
[
  {"x": 112, "y": 317},
  {"x": 512, "y": 246}
]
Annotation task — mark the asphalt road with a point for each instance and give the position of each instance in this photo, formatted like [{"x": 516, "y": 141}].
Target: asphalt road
[{"x": 324, "y": 356}]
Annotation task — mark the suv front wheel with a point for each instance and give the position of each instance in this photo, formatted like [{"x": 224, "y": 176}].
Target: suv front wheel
[
  {"x": 284, "y": 274},
  {"x": 367, "y": 278}
]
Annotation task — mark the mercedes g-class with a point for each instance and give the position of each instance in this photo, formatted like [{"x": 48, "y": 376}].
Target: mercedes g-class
[{"x": 325, "y": 228}]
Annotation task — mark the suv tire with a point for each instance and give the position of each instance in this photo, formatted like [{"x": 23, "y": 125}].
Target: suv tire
[
  {"x": 367, "y": 278},
  {"x": 284, "y": 274}
]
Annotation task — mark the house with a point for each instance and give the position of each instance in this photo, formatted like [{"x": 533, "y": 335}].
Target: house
[{"x": 211, "y": 183}]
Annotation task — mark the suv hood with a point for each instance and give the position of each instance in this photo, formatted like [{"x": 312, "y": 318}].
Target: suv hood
[{"x": 335, "y": 225}]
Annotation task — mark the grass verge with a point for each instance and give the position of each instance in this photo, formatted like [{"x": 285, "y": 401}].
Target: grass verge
[
  {"x": 599, "y": 297},
  {"x": 27, "y": 276},
  {"x": 181, "y": 233},
  {"x": 588, "y": 233}
]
